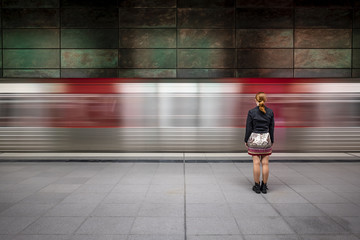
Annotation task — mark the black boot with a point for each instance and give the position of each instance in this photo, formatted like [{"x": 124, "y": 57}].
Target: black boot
[
  {"x": 263, "y": 187},
  {"x": 256, "y": 188}
]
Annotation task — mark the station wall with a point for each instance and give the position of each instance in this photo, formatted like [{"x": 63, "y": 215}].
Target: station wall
[{"x": 180, "y": 38}]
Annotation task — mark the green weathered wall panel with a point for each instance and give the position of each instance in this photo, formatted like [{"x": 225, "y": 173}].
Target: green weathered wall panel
[
  {"x": 32, "y": 73},
  {"x": 356, "y": 38},
  {"x": 206, "y": 58},
  {"x": 264, "y": 38},
  {"x": 89, "y": 38},
  {"x": 324, "y": 4},
  {"x": 147, "y": 38},
  {"x": 264, "y": 3},
  {"x": 89, "y": 73},
  {"x": 147, "y": 17},
  {"x": 264, "y": 73},
  {"x": 356, "y": 73},
  {"x": 322, "y": 58},
  {"x": 89, "y": 4},
  {"x": 147, "y": 3},
  {"x": 206, "y": 73},
  {"x": 265, "y": 58},
  {"x": 206, "y": 3},
  {"x": 89, "y": 18},
  {"x": 323, "y": 18},
  {"x": 206, "y": 38},
  {"x": 206, "y": 18},
  {"x": 31, "y": 18},
  {"x": 31, "y": 38},
  {"x": 89, "y": 58},
  {"x": 147, "y": 58},
  {"x": 356, "y": 58},
  {"x": 31, "y": 58},
  {"x": 323, "y": 38},
  {"x": 30, "y": 3},
  {"x": 357, "y": 18},
  {"x": 264, "y": 18},
  {"x": 147, "y": 73},
  {"x": 322, "y": 73}
]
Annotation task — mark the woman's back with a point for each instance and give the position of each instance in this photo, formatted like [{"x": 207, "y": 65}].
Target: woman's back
[{"x": 261, "y": 121}]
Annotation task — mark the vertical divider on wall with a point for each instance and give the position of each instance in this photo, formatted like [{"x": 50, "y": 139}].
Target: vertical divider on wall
[
  {"x": 235, "y": 74},
  {"x": 176, "y": 40},
  {"x": 118, "y": 39},
  {"x": 294, "y": 29},
  {"x": 2, "y": 39},
  {"x": 352, "y": 39},
  {"x": 60, "y": 68}
]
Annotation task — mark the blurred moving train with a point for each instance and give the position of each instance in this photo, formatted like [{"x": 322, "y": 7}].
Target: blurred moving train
[{"x": 182, "y": 115}]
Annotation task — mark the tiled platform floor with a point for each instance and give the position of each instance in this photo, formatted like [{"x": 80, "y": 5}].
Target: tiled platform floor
[{"x": 176, "y": 201}]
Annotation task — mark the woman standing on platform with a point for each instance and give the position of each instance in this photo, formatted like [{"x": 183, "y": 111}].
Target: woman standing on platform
[{"x": 259, "y": 138}]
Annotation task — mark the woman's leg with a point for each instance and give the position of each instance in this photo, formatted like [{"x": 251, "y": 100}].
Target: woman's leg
[
  {"x": 265, "y": 168},
  {"x": 256, "y": 162}
]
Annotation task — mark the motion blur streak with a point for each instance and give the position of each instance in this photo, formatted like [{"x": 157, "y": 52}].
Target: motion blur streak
[{"x": 152, "y": 115}]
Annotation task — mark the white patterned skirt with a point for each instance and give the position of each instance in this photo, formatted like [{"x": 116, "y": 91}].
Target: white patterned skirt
[{"x": 259, "y": 144}]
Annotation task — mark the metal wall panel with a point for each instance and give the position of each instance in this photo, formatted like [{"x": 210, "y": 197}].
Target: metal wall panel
[
  {"x": 147, "y": 58},
  {"x": 31, "y": 58},
  {"x": 265, "y": 58},
  {"x": 323, "y": 18},
  {"x": 30, "y": 18},
  {"x": 89, "y": 38},
  {"x": 89, "y": 58},
  {"x": 31, "y": 38},
  {"x": 323, "y": 58}
]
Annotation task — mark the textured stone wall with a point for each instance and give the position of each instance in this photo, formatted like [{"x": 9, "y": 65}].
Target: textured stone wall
[{"x": 180, "y": 38}]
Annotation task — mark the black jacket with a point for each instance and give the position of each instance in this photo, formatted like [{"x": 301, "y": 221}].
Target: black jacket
[{"x": 260, "y": 122}]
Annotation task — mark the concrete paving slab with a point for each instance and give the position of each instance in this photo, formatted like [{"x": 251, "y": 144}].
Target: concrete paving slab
[
  {"x": 106, "y": 225},
  {"x": 314, "y": 225},
  {"x": 158, "y": 226},
  {"x": 54, "y": 225}
]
